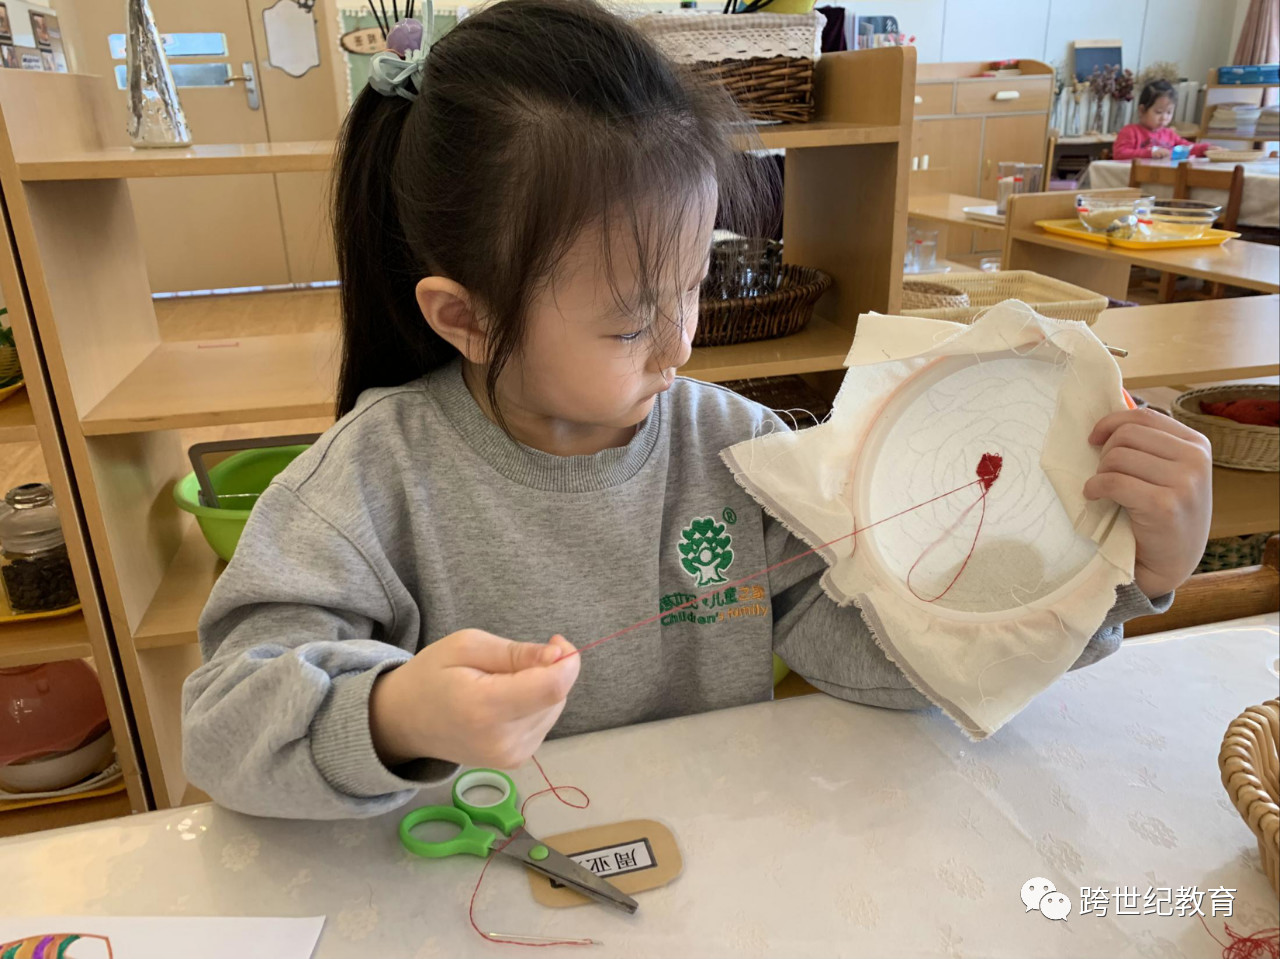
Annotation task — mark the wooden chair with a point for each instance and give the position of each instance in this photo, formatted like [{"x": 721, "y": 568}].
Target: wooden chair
[{"x": 1184, "y": 178}]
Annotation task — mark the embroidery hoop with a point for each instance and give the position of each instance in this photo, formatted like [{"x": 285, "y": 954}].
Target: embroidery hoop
[{"x": 873, "y": 463}]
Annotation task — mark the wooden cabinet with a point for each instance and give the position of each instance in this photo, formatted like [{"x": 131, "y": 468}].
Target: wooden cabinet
[
  {"x": 967, "y": 124},
  {"x": 1018, "y": 139}
]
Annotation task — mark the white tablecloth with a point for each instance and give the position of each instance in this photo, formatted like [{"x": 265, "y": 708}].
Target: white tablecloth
[
  {"x": 809, "y": 827},
  {"x": 1259, "y": 201}
]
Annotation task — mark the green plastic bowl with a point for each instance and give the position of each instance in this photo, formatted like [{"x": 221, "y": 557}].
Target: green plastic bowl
[{"x": 247, "y": 472}]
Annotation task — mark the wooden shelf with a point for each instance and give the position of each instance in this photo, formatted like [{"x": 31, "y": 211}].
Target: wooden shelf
[
  {"x": 819, "y": 346},
  {"x": 1244, "y": 502},
  {"x": 118, "y": 163},
  {"x": 291, "y": 376},
  {"x": 44, "y": 641},
  {"x": 211, "y": 383},
  {"x": 17, "y": 425},
  {"x": 820, "y": 133}
]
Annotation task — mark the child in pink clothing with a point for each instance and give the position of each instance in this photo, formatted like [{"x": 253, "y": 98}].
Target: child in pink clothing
[{"x": 1152, "y": 137}]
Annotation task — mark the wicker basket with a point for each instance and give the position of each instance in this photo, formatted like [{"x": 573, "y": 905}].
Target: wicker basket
[
  {"x": 1238, "y": 445},
  {"x": 1049, "y": 297},
  {"x": 781, "y": 313},
  {"x": 1251, "y": 774},
  {"x": 1234, "y": 156},
  {"x": 765, "y": 60},
  {"x": 785, "y": 394},
  {"x": 918, "y": 295}
]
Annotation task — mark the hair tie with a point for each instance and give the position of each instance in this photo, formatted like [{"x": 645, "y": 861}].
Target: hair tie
[{"x": 399, "y": 70}]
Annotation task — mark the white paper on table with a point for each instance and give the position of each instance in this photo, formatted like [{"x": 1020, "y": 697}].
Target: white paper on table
[{"x": 167, "y": 937}]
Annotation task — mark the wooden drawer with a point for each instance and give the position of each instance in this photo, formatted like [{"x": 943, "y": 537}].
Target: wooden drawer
[
  {"x": 1012, "y": 95},
  {"x": 934, "y": 99}
]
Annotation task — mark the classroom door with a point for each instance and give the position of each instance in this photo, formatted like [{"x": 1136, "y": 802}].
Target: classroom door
[{"x": 230, "y": 231}]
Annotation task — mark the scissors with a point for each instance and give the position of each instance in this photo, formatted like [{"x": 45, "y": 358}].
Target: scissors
[{"x": 503, "y": 814}]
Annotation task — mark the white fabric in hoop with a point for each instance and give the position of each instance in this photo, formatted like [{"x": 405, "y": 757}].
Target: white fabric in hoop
[
  {"x": 710, "y": 38},
  {"x": 980, "y": 619}
]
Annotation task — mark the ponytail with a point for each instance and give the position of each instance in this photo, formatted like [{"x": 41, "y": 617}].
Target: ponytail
[{"x": 385, "y": 339}]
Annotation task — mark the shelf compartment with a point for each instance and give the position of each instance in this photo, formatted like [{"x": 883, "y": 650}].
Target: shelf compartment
[
  {"x": 291, "y": 376},
  {"x": 212, "y": 383},
  {"x": 27, "y": 642},
  {"x": 17, "y": 425},
  {"x": 171, "y": 616}
]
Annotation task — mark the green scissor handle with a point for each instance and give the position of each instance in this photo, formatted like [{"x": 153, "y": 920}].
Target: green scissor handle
[
  {"x": 503, "y": 812},
  {"x": 471, "y": 841}
]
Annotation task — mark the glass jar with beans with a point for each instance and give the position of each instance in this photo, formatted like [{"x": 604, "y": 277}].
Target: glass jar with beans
[{"x": 34, "y": 567}]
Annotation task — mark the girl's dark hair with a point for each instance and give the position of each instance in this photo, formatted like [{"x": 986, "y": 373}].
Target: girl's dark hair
[
  {"x": 536, "y": 118},
  {"x": 1154, "y": 90}
]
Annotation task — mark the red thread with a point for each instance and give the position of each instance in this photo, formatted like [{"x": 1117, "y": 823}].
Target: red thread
[
  {"x": 988, "y": 472},
  {"x": 1263, "y": 944},
  {"x": 555, "y": 791}
]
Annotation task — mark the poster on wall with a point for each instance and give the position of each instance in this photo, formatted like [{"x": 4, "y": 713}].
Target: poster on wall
[
  {"x": 6, "y": 31},
  {"x": 29, "y": 58},
  {"x": 48, "y": 40},
  {"x": 40, "y": 30},
  {"x": 9, "y": 57}
]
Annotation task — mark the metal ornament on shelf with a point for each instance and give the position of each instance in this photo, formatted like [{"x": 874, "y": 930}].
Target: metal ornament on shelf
[{"x": 155, "y": 114}]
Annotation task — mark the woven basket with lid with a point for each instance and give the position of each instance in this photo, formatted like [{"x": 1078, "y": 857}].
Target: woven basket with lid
[{"x": 1251, "y": 774}]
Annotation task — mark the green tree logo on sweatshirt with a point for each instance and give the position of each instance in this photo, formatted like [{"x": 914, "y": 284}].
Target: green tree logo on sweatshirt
[{"x": 705, "y": 552}]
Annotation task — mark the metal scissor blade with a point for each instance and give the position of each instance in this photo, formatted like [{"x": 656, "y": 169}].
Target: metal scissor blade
[{"x": 564, "y": 870}]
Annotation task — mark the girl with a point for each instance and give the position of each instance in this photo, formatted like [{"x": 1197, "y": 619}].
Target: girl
[
  {"x": 522, "y": 229},
  {"x": 1152, "y": 137}
]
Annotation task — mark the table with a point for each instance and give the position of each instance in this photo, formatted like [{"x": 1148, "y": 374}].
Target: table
[
  {"x": 949, "y": 208},
  {"x": 1259, "y": 202},
  {"x": 1199, "y": 341},
  {"x": 808, "y": 826},
  {"x": 1105, "y": 269}
]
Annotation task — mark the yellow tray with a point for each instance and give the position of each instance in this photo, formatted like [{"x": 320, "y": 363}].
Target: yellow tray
[
  {"x": 8, "y": 391},
  {"x": 1076, "y": 230},
  {"x": 7, "y": 615},
  {"x": 7, "y": 805}
]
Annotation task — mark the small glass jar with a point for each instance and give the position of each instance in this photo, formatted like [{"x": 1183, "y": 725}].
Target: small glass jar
[{"x": 34, "y": 567}]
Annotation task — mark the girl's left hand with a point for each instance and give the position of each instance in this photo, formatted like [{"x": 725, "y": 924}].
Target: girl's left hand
[{"x": 1162, "y": 473}]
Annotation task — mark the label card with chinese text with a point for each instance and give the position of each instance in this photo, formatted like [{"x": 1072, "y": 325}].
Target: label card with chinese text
[{"x": 635, "y": 855}]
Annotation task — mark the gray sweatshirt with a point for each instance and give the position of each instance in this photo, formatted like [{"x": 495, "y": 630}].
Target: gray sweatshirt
[{"x": 415, "y": 516}]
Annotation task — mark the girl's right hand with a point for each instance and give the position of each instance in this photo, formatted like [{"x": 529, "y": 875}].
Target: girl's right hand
[
  {"x": 1159, "y": 153},
  {"x": 472, "y": 698}
]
